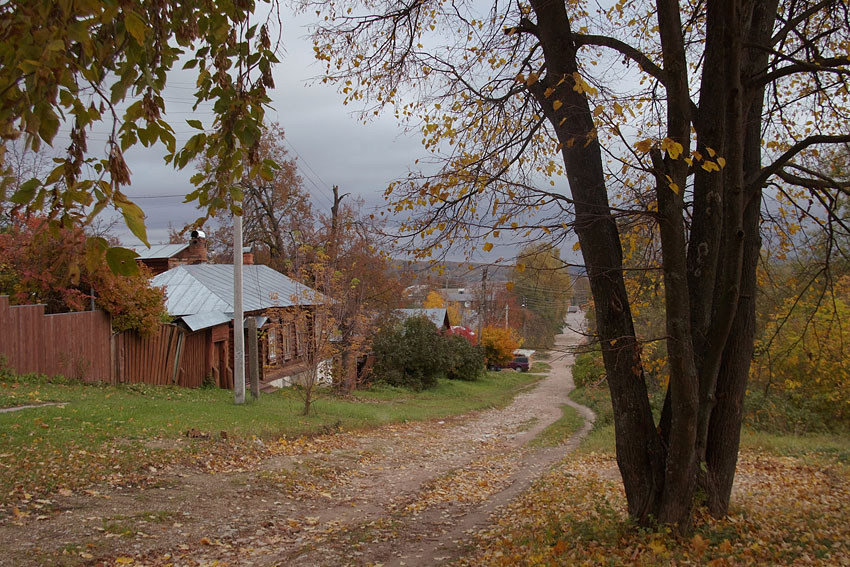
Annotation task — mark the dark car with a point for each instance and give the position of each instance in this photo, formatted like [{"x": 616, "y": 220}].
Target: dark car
[{"x": 519, "y": 363}]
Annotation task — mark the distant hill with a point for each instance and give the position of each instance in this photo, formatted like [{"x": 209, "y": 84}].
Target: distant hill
[{"x": 465, "y": 274}]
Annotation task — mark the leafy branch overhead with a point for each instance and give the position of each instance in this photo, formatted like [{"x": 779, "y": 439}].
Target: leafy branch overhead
[{"x": 84, "y": 65}]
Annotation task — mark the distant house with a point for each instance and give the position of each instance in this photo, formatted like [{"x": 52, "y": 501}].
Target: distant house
[
  {"x": 160, "y": 258},
  {"x": 438, "y": 315},
  {"x": 200, "y": 297}
]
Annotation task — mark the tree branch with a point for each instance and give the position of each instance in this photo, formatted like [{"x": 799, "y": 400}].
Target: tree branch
[
  {"x": 783, "y": 160},
  {"x": 830, "y": 65},
  {"x": 792, "y": 23},
  {"x": 625, "y": 49},
  {"x": 817, "y": 181},
  {"x": 647, "y": 64}
]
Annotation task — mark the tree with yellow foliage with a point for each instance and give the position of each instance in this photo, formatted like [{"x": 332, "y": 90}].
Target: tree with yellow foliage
[
  {"x": 434, "y": 300},
  {"x": 499, "y": 344}
]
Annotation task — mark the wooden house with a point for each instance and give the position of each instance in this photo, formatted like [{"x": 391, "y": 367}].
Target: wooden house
[{"x": 200, "y": 298}]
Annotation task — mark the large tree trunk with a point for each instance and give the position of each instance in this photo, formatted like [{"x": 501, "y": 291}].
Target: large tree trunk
[
  {"x": 726, "y": 419},
  {"x": 639, "y": 451},
  {"x": 709, "y": 278}
]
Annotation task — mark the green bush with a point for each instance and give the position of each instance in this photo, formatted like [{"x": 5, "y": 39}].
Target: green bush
[
  {"x": 588, "y": 369},
  {"x": 414, "y": 355},
  {"x": 409, "y": 354},
  {"x": 781, "y": 412},
  {"x": 464, "y": 361}
]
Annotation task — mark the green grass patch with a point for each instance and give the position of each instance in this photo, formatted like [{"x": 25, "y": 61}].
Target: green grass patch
[
  {"x": 812, "y": 447},
  {"x": 558, "y": 432},
  {"x": 601, "y": 437},
  {"x": 538, "y": 367},
  {"x": 104, "y": 430}
]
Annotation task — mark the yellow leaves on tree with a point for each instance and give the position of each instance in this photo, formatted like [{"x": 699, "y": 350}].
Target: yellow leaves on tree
[
  {"x": 804, "y": 349},
  {"x": 499, "y": 344},
  {"x": 454, "y": 314},
  {"x": 434, "y": 300}
]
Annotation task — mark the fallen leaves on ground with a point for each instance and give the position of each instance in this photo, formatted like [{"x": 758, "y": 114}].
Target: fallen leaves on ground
[
  {"x": 785, "y": 511},
  {"x": 473, "y": 483}
]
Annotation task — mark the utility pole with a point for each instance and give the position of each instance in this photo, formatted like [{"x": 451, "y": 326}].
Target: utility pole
[
  {"x": 524, "y": 318},
  {"x": 238, "y": 315},
  {"x": 506, "y": 315},
  {"x": 253, "y": 358},
  {"x": 482, "y": 306}
]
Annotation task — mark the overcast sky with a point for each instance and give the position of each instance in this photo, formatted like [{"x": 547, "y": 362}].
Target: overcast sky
[{"x": 330, "y": 145}]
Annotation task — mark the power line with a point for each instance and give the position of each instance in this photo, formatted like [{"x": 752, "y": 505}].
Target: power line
[{"x": 306, "y": 163}]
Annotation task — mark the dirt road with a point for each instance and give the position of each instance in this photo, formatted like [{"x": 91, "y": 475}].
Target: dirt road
[{"x": 400, "y": 495}]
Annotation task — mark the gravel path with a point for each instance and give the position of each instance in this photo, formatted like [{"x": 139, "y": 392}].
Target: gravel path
[{"x": 398, "y": 496}]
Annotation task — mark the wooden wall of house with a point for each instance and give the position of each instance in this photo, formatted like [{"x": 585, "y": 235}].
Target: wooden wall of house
[
  {"x": 285, "y": 351},
  {"x": 82, "y": 346},
  {"x": 153, "y": 360},
  {"x": 148, "y": 360},
  {"x": 194, "y": 366},
  {"x": 75, "y": 345}
]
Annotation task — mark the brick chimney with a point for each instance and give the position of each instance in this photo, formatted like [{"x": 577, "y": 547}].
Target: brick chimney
[
  {"x": 247, "y": 256},
  {"x": 197, "y": 252}
]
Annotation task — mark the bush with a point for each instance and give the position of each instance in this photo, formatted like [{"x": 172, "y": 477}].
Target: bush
[
  {"x": 415, "y": 355},
  {"x": 409, "y": 354},
  {"x": 464, "y": 361},
  {"x": 588, "y": 369},
  {"x": 781, "y": 412}
]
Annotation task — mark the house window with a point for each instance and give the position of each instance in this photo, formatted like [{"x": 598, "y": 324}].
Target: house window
[
  {"x": 272, "y": 334},
  {"x": 287, "y": 343}
]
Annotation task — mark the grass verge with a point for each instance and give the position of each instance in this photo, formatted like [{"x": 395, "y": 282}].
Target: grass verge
[
  {"x": 558, "y": 432},
  {"x": 107, "y": 432},
  {"x": 811, "y": 446}
]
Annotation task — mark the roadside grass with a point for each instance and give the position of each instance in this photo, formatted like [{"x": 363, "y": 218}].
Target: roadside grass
[
  {"x": 113, "y": 432},
  {"x": 558, "y": 432},
  {"x": 830, "y": 446}
]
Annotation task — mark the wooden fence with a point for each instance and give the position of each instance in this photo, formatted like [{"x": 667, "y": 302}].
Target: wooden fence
[
  {"x": 75, "y": 345},
  {"x": 82, "y": 346}
]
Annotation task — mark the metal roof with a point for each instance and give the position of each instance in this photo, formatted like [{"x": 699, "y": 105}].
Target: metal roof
[
  {"x": 202, "y": 288},
  {"x": 158, "y": 251},
  {"x": 437, "y": 315},
  {"x": 206, "y": 320}
]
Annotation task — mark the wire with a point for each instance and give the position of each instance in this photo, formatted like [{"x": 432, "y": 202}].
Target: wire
[{"x": 306, "y": 163}]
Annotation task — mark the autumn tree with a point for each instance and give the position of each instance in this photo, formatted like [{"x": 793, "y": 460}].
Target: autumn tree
[
  {"x": 84, "y": 64},
  {"x": 355, "y": 271},
  {"x": 543, "y": 285},
  {"x": 804, "y": 350},
  {"x": 434, "y": 300},
  {"x": 678, "y": 112},
  {"x": 67, "y": 271},
  {"x": 499, "y": 344}
]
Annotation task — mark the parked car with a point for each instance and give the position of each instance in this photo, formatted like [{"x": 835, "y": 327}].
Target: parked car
[{"x": 519, "y": 363}]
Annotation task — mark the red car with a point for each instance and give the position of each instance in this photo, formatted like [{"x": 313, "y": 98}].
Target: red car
[{"x": 519, "y": 363}]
